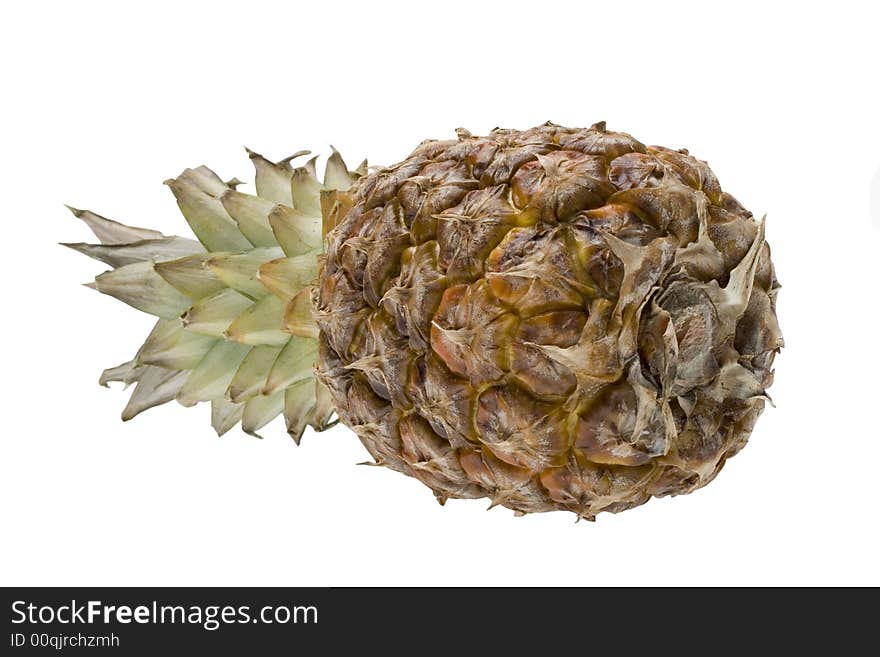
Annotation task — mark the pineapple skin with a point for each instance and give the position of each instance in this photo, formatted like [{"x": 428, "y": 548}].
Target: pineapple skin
[{"x": 555, "y": 318}]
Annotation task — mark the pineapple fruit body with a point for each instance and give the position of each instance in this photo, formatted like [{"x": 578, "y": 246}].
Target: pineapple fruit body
[{"x": 553, "y": 319}]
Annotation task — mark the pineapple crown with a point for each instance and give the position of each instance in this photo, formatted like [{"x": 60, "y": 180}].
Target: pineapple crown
[{"x": 234, "y": 323}]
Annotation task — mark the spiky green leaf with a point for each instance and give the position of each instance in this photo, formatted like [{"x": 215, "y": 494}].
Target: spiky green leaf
[
  {"x": 190, "y": 276},
  {"x": 213, "y": 315},
  {"x": 260, "y": 324},
  {"x": 112, "y": 232},
  {"x": 297, "y": 233},
  {"x": 273, "y": 180},
  {"x": 239, "y": 270},
  {"x": 140, "y": 286},
  {"x": 261, "y": 410},
  {"x": 305, "y": 190},
  {"x": 285, "y": 277},
  {"x": 211, "y": 377},
  {"x": 126, "y": 373},
  {"x": 336, "y": 175},
  {"x": 250, "y": 378},
  {"x": 198, "y": 194},
  {"x": 171, "y": 346},
  {"x": 155, "y": 386},
  {"x": 295, "y": 363},
  {"x": 155, "y": 250},
  {"x": 251, "y": 213},
  {"x": 225, "y": 415},
  {"x": 298, "y": 318},
  {"x": 299, "y": 403}
]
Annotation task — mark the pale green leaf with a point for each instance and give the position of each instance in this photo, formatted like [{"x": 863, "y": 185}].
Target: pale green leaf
[
  {"x": 141, "y": 287},
  {"x": 190, "y": 276},
  {"x": 298, "y": 318},
  {"x": 211, "y": 377},
  {"x": 306, "y": 191},
  {"x": 260, "y": 324},
  {"x": 311, "y": 167},
  {"x": 225, "y": 415},
  {"x": 296, "y": 232},
  {"x": 260, "y": 410},
  {"x": 126, "y": 373},
  {"x": 285, "y": 277},
  {"x": 273, "y": 180},
  {"x": 251, "y": 375},
  {"x": 251, "y": 213},
  {"x": 336, "y": 175},
  {"x": 209, "y": 181},
  {"x": 171, "y": 346},
  {"x": 197, "y": 194},
  {"x": 155, "y": 386},
  {"x": 213, "y": 315},
  {"x": 113, "y": 232},
  {"x": 118, "y": 255},
  {"x": 239, "y": 270},
  {"x": 299, "y": 404},
  {"x": 295, "y": 363},
  {"x": 323, "y": 411}
]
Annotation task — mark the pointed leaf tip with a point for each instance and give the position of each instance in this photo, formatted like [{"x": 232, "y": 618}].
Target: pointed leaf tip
[
  {"x": 141, "y": 287},
  {"x": 156, "y": 250},
  {"x": 285, "y": 277},
  {"x": 170, "y": 346},
  {"x": 298, "y": 318},
  {"x": 239, "y": 270},
  {"x": 225, "y": 415},
  {"x": 287, "y": 160},
  {"x": 210, "y": 379},
  {"x": 260, "y": 324},
  {"x": 109, "y": 231},
  {"x": 295, "y": 363},
  {"x": 306, "y": 190},
  {"x": 212, "y": 314},
  {"x": 336, "y": 174},
  {"x": 125, "y": 373},
  {"x": 156, "y": 386},
  {"x": 296, "y": 232},
  {"x": 272, "y": 180},
  {"x": 251, "y": 213},
  {"x": 198, "y": 193},
  {"x": 260, "y": 410},
  {"x": 251, "y": 375},
  {"x": 299, "y": 404}
]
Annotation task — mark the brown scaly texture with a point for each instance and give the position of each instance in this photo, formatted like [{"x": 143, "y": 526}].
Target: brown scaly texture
[{"x": 554, "y": 318}]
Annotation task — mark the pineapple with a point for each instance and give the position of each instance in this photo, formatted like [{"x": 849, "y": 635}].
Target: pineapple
[{"x": 554, "y": 319}]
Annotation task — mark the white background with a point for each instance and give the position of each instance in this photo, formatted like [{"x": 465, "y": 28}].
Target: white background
[{"x": 102, "y": 102}]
